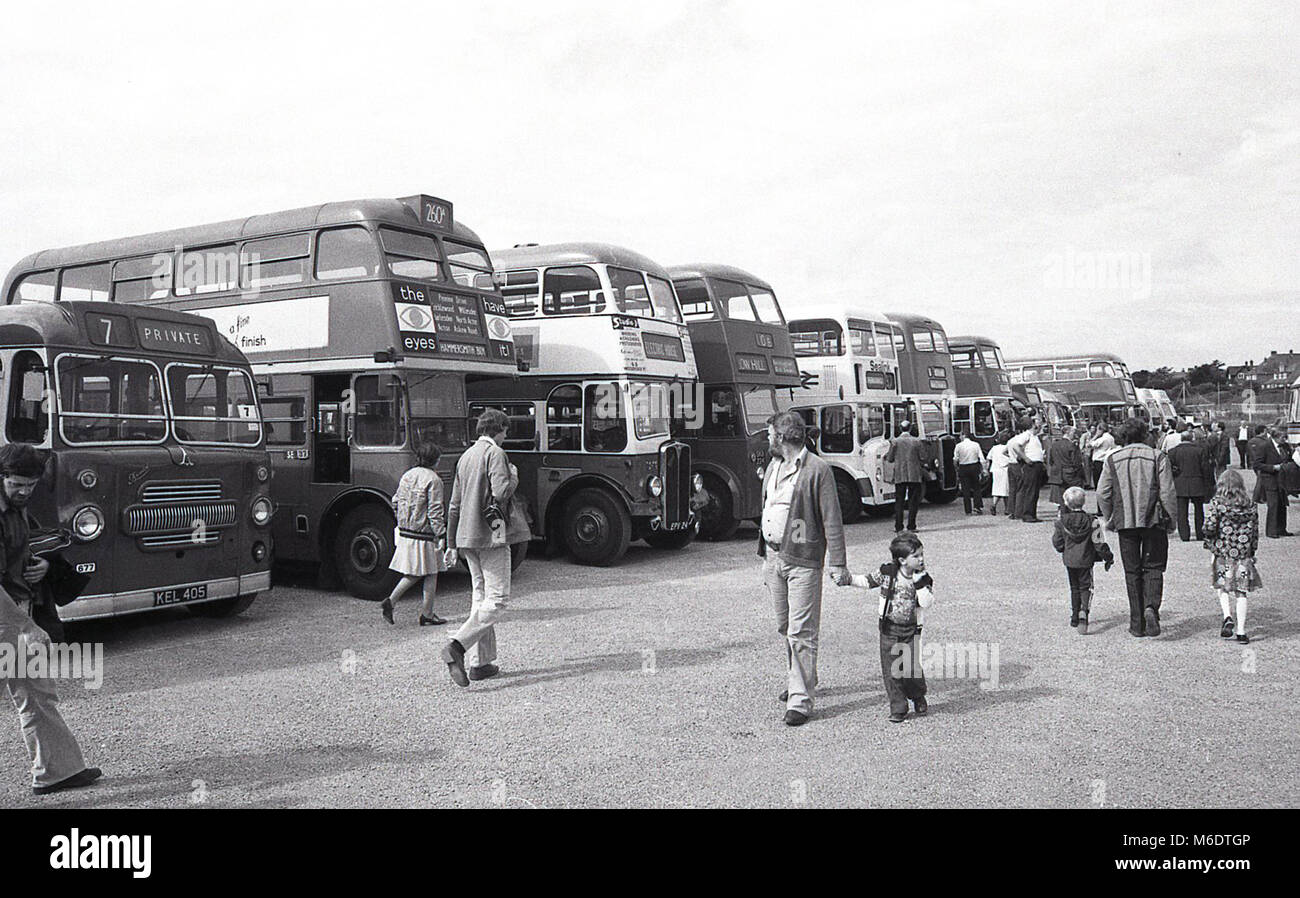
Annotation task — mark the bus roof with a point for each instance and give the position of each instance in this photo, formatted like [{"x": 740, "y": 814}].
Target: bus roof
[
  {"x": 1076, "y": 357},
  {"x": 715, "y": 270},
  {"x": 388, "y": 211},
  {"x": 836, "y": 312},
  {"x": 972, "y": 341},
  {"x": 914, "y": 320},
  {"x": 64, "y": 324},
  {"x": 534, "y": 255}
]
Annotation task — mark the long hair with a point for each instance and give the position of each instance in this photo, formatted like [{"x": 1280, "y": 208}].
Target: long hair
[{"x": 1230, "y": 490}]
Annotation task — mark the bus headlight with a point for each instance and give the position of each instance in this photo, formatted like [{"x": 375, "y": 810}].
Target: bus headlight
[
  {"x": 88, "y": 523},
  {"x": 655, "y": 486},
  {"x": 88, "y": 479},
  {"x": 262, "y": 510},
  {"x": 263, "y": 473},
  {"x": 697, "y": 483}
]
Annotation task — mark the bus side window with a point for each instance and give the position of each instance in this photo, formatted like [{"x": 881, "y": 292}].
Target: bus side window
[
  {"x": 38, "y": 287},
  {"x": 604, "y": 418},
  {"x": 961, "y": 417},
  {"x": 286, "y": 420},
  {"x": 564, "y": 419},
  {"x": 871, "y": 423},
  {"x": 985, "y": 424},
  {"x": 520, "y": 292},
  {"x": 90, "y": 282},
  {"x": 379, "y": 418},
  {"x": 837, "y": 429},
  {"x": 346, "y": 253},
  {"x": 28, "y": 419},
  {"x": 575, "y": 290},
  {"x": 694, "y": 297},
  {"x": 722, "y": 412}
]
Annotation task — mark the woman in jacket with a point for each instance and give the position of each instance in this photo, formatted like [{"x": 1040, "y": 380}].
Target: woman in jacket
[
  {"x": 421, "y": 527},
  {"x": 481, "y": 529}
]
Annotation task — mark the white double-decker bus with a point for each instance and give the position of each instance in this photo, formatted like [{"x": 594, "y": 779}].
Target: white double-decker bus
[
  {"x": 606, "y": 361},
  {"x": 849, "y": 368}
]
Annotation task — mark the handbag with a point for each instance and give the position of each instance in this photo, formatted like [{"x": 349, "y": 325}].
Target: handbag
[
  {"x": 493, "y": 515},
  {"x": 1161, "y": 516}
]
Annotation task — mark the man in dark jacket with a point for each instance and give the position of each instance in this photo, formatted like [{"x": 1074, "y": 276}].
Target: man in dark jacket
[
  {"x": 1268, "y": 452},
  {"x": 1193, "y": 482},
  {"x": 1064, "y": 465},
  {"x": 907, "y": 455},
  {"x": 800, "y": 528}
]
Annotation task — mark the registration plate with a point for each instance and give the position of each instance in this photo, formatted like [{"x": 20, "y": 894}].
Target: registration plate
[{"x": 179, "y": 594}]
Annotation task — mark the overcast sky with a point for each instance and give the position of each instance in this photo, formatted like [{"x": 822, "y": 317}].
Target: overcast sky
[{"x": 978, "y": 163}]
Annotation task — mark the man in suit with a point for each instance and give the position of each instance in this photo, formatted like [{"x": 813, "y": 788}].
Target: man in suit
[
  {"x": 1193, "y": 483},
  {"x": 907, "y": 454},
  {"x": 1220, "y": 449},
  {"x": 1064, "y": 465},
  {"x": 1267, "y": 455}
]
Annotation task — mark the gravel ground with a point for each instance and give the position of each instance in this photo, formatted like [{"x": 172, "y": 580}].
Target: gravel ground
[{"x": 654, "y": 684}]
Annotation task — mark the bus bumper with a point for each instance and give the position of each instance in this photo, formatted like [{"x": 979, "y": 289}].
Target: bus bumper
[{"x": 112, "y": 604}]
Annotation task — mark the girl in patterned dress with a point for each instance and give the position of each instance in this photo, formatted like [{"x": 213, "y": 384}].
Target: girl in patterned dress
[{"x": 1232, "y": 534}]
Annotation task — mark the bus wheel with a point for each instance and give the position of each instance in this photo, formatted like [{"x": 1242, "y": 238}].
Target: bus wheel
[
  {"x": 597, "y": 528},
  {"x": 222, "y": 607},
  {"x": 363, "y": 547},
  {"x": 850, "y": 498},
  {"x": 880, "y": 511},
  {"x": 672, "y": 540},
  {"x": 940, "y": 496},
  {"x": 518, "y": 552},
  {"x": 717, "y": 517}
]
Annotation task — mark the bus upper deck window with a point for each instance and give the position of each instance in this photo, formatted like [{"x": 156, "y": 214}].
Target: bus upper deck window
[
  {"x": 520, "y": 293},
  {"x": 210, "y": 270},
  {"x": 572, "y": 290},
  {"x": 29, "y": 408},
  {"x": 940, "y": 340},
  {"x": 922, "y": 340},
  {"x": 630, "y": 294},
  {"x": 662, "y": 298},
  {"x": 734, "y": 298},
  {"x": 88, "y": 283},
  {"x": 274, "y": 261},
  {"x": 143, "y": 278},
  {"x": 466, "y": 262},
  {"x": 38, "y": 287},
  {"x": 900, "y": 341},
  {"x": 411, "y": 255},
  {"x": 963, "y": 358},
  {"x": 346, "y": 253},
  {"x": 694, "y": 296},
  {"x": 862, "y": 341},
  {"x": 993, "y": 357},
  {"x": 1101, "y": 369},
  {"x": 766, "y": 306},
  {"x": 884, "y": 340}
]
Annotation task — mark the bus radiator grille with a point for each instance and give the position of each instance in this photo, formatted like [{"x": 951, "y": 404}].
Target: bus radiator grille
[
  {"x": 675, "y": 469},
  {"x": 178, "y": 519}
]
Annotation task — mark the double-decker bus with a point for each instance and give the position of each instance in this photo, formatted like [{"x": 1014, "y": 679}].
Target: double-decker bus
[
  {"x": 849, "y": 369},
  {"x": 159, "y": 472},
  {"x": 985, "y": 402},
  {"x": 1100, "y": 383},
  {"x": 1056, "y": 410},
  {"x": 925, "y": 377},
  {"x": 747, "y": 373},
  {"x": 600, "y": 336},
  {"x": 362, "y": 320},
  {"x": 1159, "y": 406}
]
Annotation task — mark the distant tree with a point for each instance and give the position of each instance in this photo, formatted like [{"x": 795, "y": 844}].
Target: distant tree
[{"x": 1215, "y": 372}]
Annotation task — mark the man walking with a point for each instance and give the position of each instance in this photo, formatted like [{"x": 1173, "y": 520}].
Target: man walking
[
  {"x": 907, "y": 454},
  {"x": 1136, "y": 498},
  {"x": 1243, "y": 443},
  {"x": 1065, "y": 466},
  {"x": 801, "y": 525},
  {"x": 970, "y": 461},
  {"x": 1268, "y": 453},
  {"x": 1027, "y": 449},
  {"x": 1193, "y": 483},
  {"x": 57, "y": 762}
]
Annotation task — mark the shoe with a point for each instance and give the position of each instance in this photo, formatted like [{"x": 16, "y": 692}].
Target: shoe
[
  {"x": 1074, "y": 621},
  {"x": 483, "y": 671},
  {"x": 898, "y": 718},
  {"x": 1153, "y": 622},
  {"x": 921, "y": 706},
  {"x": 1032, "y": 520},
  {"x": 1083, "y": 624},
  {"x": 1229, "y": 627},
  {"x": 979, "y": 511},
  {"x": 784, "y": 696},
  {"x": 1137, "y": 633},
  {"x": 795, "y": 718},
  {"x": 454, "y": 654},
  {"x": 76, "y": 781},
  {"x": 386, "y": 608},
  {"x": 1243, "y": 638},
  {"x": 433, "y": 621}
]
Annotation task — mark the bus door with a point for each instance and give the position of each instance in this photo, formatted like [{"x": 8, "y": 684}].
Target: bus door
[
  {"x": 286, "y": 401},
  {"x": 331, "y": 400}
]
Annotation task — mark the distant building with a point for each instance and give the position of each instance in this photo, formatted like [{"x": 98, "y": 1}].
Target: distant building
[{"x": 1276, "y": 372}]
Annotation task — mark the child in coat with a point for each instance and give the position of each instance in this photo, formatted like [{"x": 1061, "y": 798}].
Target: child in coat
[
  {"x": 1231, "y": 532},
  {"x": 1080, "y": 539}
]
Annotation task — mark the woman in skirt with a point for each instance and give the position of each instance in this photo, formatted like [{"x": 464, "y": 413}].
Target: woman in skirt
[{"x": 421, "y": 529}]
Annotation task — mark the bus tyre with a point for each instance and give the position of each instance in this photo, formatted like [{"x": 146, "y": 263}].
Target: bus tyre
[
  {"x": 222, "y": 607},
  {"x": 850, "y": 498},
  {"x": 718, "y": 519},
  {"x": 597, "y": 528},
  {"x": 363, "y": 547},
  {"x": 936, "y": 495},
  {"x": 672, "y": 540}
]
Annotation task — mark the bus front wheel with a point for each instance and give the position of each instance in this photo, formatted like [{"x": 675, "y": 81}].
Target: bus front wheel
[
  {"x": 222, "y": 607},
  {"x": 597, "y": 528},
  {"x": 718, "y": 519},
  {"x": 363, "y": 547},
  {"x": 850, "y": 498}
]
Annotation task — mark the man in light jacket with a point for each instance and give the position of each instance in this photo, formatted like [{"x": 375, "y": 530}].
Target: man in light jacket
[
  {"x": 1137, "y": 483},
  {"x": 907, "y": 455},
  {"x": 801, "y": 525},
  {"x": 487, "y": 553}
]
